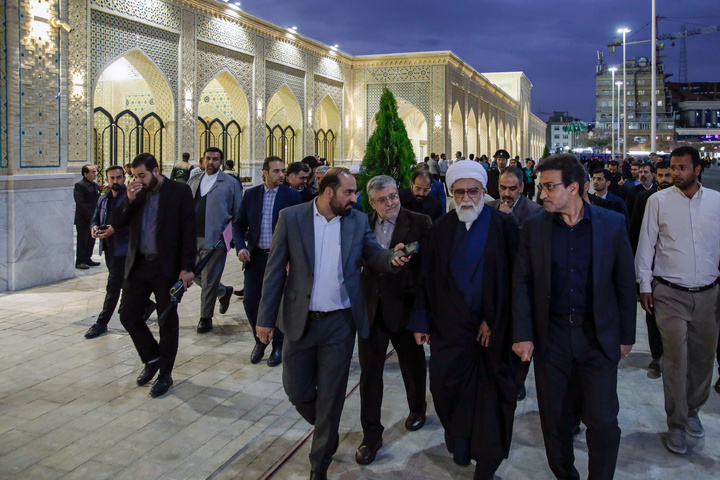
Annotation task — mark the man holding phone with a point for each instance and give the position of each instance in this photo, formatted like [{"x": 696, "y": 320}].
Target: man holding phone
[{"x": 114, "y": 244}]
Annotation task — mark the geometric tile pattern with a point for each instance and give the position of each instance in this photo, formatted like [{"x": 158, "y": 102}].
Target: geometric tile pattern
[
  {"x": 217, "y": 101},
  {"x": 79, "y": 91},
  {"x": 39, "y": 103},
  {"x": 438, "y": 108},
  {"x": 224, "y": 32},
  {"x": 112, "y": 36},
  {"x": 155, "y": 11},
  {"x": 3, "y": 91},
  {"x": 324, "y": 86},
  {"x": 211, "y": 60},
  {"x": 411, "y": 73},
  {"x": 139, "y": 103},
  {"x": 188, "y": 114},
  {"x": 416, "y": 93},
  {"x": 277, "y": 75},
  {"x": 285, "y": 53},
  {"x": 329, "y": 68},
  {"x": 258, "y": 135}
]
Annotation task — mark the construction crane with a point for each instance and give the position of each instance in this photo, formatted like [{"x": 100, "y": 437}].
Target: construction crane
[{"x": 669, "y": 36}]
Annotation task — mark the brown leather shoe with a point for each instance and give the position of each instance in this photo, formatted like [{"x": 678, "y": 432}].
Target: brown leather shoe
[{"x": 366, "y": 452}]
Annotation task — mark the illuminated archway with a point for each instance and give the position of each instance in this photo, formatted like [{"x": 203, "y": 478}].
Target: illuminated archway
[
  {"x": 326, "y": 123},
  {"x": 284, "y": 126},
  {"x": 472, "y": 135},
  {"x": 457, "y": 131},
  {"x": 415, "y": 125}
]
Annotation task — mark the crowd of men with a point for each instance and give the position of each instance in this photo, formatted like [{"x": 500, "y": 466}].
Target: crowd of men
[{"x": 492, "y": 281}]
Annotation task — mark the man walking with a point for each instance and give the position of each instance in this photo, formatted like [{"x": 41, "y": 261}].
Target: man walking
[
  {"x": 314, "y": 270},
  {"x": 574, "y": 313},
  {"x": 501, "y": 159},
  {"x": 677, "y": 268},
  {"x": 161, "y": 251},
  {"x": 217, "y": 199},
  {"x": 258, "y": 216},
  {"x": 417, "y": 198},
  {"x": 389, "y": 300},
  {"x": 114, "y": 244},
  {"x": 86, "y": 194}
]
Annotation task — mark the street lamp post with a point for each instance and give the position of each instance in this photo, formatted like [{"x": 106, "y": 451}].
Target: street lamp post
[
  {"x": 624, "y": 149},
  {"x": 612, "y": 112},
  {"x": 619, "y": 84},
  {"x": 653, "y": 108}
]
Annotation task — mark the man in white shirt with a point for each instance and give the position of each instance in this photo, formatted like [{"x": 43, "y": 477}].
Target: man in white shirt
[
  {"x": 677, "y": 268},
  {"x": 443, "y": 167}
]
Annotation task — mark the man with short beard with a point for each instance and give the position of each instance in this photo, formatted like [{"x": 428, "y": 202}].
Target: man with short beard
[
  {"x": 313, "y": 270},
  {"x": 511, "y": 200},
  {"x": 417, "y": 198},
  {"x": 114, "y": 244},
  {"x": 646, "y": 177},
  {"x": 465, "y": 315}
]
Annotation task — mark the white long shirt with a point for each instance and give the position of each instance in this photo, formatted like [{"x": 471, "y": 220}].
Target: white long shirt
[
  {"x": 328, "y": 291},
  {"x": 682, "y": 236},
  {"x": 207, "y": 183}
]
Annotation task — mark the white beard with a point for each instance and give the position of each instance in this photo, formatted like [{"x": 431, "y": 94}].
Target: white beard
[{"x": 467, "y": 215}]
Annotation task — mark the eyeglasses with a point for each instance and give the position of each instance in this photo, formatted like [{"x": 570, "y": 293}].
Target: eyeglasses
[
  {"x": 471, "y": 192},
  {"x": 385, "y": 200},
  {"x": 548, "y": 187}
]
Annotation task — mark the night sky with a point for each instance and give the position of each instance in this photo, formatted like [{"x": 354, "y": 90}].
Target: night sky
[{"x": 553, "y": 41}]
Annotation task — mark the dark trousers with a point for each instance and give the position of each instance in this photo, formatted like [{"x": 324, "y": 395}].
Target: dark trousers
[
  {"x": 315, "y": 376},
  {"x": 146, "y": 278},
  {"x": 116, "y": 274},
  {"x": 442, "y": 180},
  {"x": 372, "y": 353},
  {"x": 521, "y": 374},
  {"x": 254, "y": 273},
  {"x": 573, "y": 356},
  {"x": 654, "y": 338},
  {"x": 85, "y": 244}
]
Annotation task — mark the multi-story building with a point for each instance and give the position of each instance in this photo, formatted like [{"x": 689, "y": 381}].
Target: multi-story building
[
  {"x": 556, "y": 137},
  {"x": 696, "y": 108},
  {"x": 638, "y": 89}
]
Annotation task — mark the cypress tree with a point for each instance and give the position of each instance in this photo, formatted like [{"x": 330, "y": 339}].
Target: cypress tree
[
  {"x": 389, "y": 150},
  {"x": 546, "y": 152}
]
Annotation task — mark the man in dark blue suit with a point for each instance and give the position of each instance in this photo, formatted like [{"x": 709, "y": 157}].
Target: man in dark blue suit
[
  {"x": 602, "y": 179},
  {"x": 258, "y": 215},
  {"x": 574, "y": 312}
]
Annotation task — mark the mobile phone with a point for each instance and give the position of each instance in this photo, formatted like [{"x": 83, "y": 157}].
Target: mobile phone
[
  {"x": 410, "y": 249},
  {"x": 102, "y": 227}
]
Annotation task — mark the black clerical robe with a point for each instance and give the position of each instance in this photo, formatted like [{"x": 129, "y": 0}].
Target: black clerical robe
[{"x": 473, "y": 387}]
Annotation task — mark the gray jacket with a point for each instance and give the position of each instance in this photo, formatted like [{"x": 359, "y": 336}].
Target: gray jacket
[
  {"x": 223, "y": 207},
  {"x": 523, "y": 208}
]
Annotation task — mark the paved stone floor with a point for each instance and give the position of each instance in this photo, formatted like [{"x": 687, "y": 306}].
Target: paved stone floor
[{"x": 69, "y": 407}]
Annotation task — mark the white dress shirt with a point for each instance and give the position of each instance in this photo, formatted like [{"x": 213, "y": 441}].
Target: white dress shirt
[
  {"x": 681, "y": 236},
  {"x": 207, "y": 183},
  {"x": 328, "y": 292}
]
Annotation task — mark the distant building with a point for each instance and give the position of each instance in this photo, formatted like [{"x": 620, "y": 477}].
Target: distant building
[
  {"x": 556, "y": 137},
  {"x": 639, "y": 97},
  {"x": 696, "y": 108}
]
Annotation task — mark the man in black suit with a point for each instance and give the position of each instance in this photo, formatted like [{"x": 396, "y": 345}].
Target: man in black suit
[
  {"x": 258, "y": 215},
  {"x": 389, "y": 300},
  {"x": 297, "y": 175},
  {"x": 417, "y": 198},
  {"x": 512, "y": 201},
  {"x": 162, "y": 249},
  {"x": 501, "y": 159},
  {"x": 603, "y": 197},
  {"x": 615, "y": 177},
  {"x": 646, "y": 176},
  {"x": 574, "y": 312},
  {"x": 86, "y": 195}
]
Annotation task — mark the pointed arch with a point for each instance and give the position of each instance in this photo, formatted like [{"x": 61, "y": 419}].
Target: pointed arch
[
  {"x": 457, "y": 131},
  {"x": 283, "y": 110},
  {"x": 416, "y": 126},
  {"x": 472, "y": 134}
]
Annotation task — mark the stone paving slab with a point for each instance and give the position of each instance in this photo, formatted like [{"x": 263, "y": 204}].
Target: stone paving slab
[{"x": 70, "y": 408}]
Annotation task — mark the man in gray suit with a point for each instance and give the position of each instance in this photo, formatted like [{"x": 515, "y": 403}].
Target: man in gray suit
[
  {"x": 217, "y": 203},
  {"x": 319, "y": 303},
  {"x": 512, "y": 201}
]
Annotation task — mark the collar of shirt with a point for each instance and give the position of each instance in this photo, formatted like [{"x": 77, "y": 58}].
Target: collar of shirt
[
  {"x": 318, "y": 215},
  {"x": 266, "y": 189},
  {"x": 207, "y": 182},
  {"x": 604, "y": 197},
  {"x": 698, "y": 194},
  {"x": 390, "y": 220},
  {"x": 557, "y": 217}
]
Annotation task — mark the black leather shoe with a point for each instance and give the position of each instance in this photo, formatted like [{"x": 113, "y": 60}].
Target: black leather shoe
[
  {"x": 148, "y": 373},
  {"x": 93, "y": 264},
  {"x": 240, "y": 293},
  {"x": 257, "y": 353},
  {"x": 95, "y": 331},
  {"x": 522, "y": 393},
  {"x": 81, "y": 266},
  {"x": 415, "y": 421},
  {"x": 149, "y": 311},
  {"x": 225, "y": 299},
  {"x": 317, "y": 476},
  {"x": 717, "y": 386},
  {"x": 275, "y": 358},
  {"x": 204, "y": 325},
  {"x": 366, "y": 452},
  {"x": 161, "y": 385}
]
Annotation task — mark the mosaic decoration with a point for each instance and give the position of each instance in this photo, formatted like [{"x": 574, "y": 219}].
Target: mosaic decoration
[
  {"x": 285, "y": 53},
  {"x": 211, "y": 60},
  {"x": 329, "y": 68},
  {"x": 224, "y": 32},
  {"x": 218, "y": 102},
  {"x": 156, "y": 11},
  {"x": 3, "y": 91},
  {"x": 278, "y": 75},
  {"x": 113, "y": 36},
  {"x": 258, "y": 138},
  {"x": 139, "y": 103},
  {"x": 39, "y": 103},
  {"x": 188, "y": 114},
  {"x": 358, "y": 120},
  {"x": 325, "y": 87},
  {"x": 411, "y": 73},
  {"x": 79, "y": 92},
  {"x": 418, "y": 94}
]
